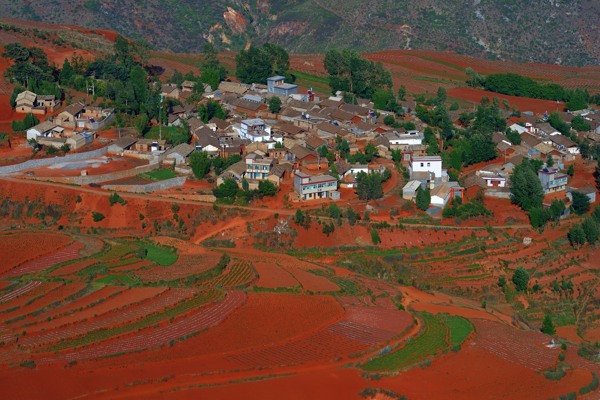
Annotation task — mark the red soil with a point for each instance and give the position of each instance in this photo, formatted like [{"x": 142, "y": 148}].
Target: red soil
[
  {"x": 521, "y": 103},
  {"x": 272, "y": 276},
  {"x": 21, "y": 247}
]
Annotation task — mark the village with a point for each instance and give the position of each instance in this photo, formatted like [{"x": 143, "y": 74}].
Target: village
[{"x": 319, "y": 145}]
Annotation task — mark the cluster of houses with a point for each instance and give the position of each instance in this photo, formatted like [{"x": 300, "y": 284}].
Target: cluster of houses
[
  {"x": 286, "y": 145},
  {"x": 73, "y": 126}
]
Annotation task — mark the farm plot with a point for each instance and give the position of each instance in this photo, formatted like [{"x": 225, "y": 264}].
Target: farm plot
[
  {"x": 71, "y": 307},
  {"x": 185, "y": 266},
  {"x": 237, "y": 274},
  {"x": 21, "y": 290},
  {"x": 318, "y": 347},
  {"x": 121, "y": 300},
  {"x": 30, "y": 296},
  {"x": 70, "y": 252},
  {"x": 201, "y": 319},
  {"x": 18, "y": 248},
  {"x": 272, "y": 276},
  {"x": 309, "y": 281},
  {"x": 56, "y": 295},
  {"x": 429, "y": 343},
  {"x": 525, "y": 349},
  {"x": 72, "y": 268},
  {"x": 121, "y": 317},
  {"x": 372, "y": 325}
]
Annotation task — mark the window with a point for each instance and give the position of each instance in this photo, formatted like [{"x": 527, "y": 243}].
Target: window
[
  {"x": 421, "y": 164},
  {"x": 429, "y": 164}
]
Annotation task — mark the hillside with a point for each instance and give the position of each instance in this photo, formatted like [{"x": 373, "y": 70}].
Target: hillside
[{"x": 546, "y": 31}]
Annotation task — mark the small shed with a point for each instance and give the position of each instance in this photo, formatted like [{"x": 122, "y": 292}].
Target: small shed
[
  {"x": 121, "y": 145},
  {"x": 409, "y": 191}
]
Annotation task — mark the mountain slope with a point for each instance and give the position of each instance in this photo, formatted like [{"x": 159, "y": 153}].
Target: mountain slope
[{"x": 550, "y": 31}]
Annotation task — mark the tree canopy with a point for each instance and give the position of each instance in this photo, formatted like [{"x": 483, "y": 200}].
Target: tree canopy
[
  {"x": 256, "y": 64},
  {"x": 369, "y": 186},
  {"x": 526, "y": 189},
  {"x": 349, "y": 72}
]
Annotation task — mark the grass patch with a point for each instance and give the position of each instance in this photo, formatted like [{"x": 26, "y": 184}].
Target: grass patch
[
  {"x": 460, "y": 329},
  {"x": 161, "y": 255},
  {"x": 310, "y": 80},
  {"x": 432, "y": 341},
  {"x": 159, "y": 175}
]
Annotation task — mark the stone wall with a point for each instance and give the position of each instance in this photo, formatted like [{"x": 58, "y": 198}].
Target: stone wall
[
  {"x": 88, "y": 179},
  {"x": 44, "y": 162},
  {"x": 148, "y": 188}
]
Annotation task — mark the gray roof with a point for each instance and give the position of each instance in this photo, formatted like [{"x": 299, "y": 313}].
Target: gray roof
[{"x": 182, "y": 149}]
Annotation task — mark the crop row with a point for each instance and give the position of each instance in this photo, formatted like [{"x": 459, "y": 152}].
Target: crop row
[
  {"x": 201, "y": 319},
  {"x": 70, "y": 252},
  {"x": 20, "y": 291},
  {"x": 107, "y": 333},
  {"x": 110, "y": 320},
  {"x": 238, "y": 274}
]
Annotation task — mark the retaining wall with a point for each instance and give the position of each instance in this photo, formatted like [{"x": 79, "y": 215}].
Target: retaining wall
[
  {"x": 44, "y": 162},
  {"x": 149, "y": 187},
  {"x": 88, "y": 179}
]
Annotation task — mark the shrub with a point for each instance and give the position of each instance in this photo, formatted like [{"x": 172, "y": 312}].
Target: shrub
[
  {"x": 592, "y": 386},
  {"x": 115, "y": 198},
  {"x": 28, "y": 364},
  {"x": 375, "y": 237},
  {"x": 97, "y": 217}
]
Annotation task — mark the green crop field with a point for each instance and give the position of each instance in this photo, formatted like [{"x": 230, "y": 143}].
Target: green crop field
[
  {"x": 159, "y": 174},
  {"x": 460, "y": 328},
  {"x": 160, "y": 255},
  {"x": 432, "y": 341}
]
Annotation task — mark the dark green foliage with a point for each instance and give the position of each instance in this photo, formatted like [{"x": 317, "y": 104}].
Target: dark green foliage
[
  {"x": 275, "y": 104},
  {"x": 591, "y": 229},
  {"x": 593, "y": 385},
  {"x": 556, "y": 209},
  {"x": 467, "y": 210},
  {"x": 576, "y": 236},
  {"x": 256, "y": 64},
  {"x": 334, "y": 211},
  {"x": 200, "y": 164},
  {"x": 548, "y": 326},
  {"x": 303, "y": 219},
  {"x": 97, "y": 217},
  {"x": 351, "y": 215},
  {"x": 29, "y": 121},
  {"x": 211, "y": 109},
  {"x": 513, "y": 136},
  {"x": 349, "y": 72},
  {"x": 539, "y": 216},
  {"x": 226, "y": 190},
  {"x": 212, "y": 71},
  {"x": 328, "y": 228},
  {"x": 221, "y": 164},
  {"x": 267, "y": 188},
  {"x": 423, "y": 198},
  {"x": 521, "y": 279},
  {"x": 375, "y": 237},
  {"x": 30, "y": 65},
  {"x": 526, "y": 189},
  {"x": 571, "y": 170},
  {"x": 581, "y": 203},
  {"x": 115, "y": 198},
  {"x": 580, "y": 124},
  {"x": 557, "y": 123},
  {"x": 369, "y": 186},
  {"x": 502, "y": 281}
]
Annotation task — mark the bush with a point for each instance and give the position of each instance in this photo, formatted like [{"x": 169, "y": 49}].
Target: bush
[
  {"x": 592, "y": 386},
  {"x": 97, "y": 217},
  {"x": 115, "y": 198},
  {"x": 375, "y": 237}
]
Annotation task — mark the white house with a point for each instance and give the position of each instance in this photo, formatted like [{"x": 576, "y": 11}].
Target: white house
[
  {"x": 255, "y": 130},
  {"x": 492, "y": 178},
  {"x": 410, "y": 138},
  {"x": 440, "y": 195},
  {"x": 431, "y": 164},
  {"x": 46, "y": 129},
  {"x": 520, "y": 129}
]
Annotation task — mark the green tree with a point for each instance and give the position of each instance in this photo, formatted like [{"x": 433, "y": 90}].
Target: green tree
[
  {"x": 526, "y": 189},
  {"x": 227, "y": 190},
  {"x": 423, "y": 198},
  {"x": 580, "y": 124},
  {"x": 211, "y": 109},
  {"x": 571, "y": 170},
  {"x": 275, "y": 104},
  {"x": 200, "y": 164},
  {"x": 267, "y": 188},
  {"x": 375, "y": 237},
  {"x": 67, "y": 74},
  {"x": 513, "y": 136},
  {"x": 576, "y": 236},
  {"x": 369, "y": 186},
  {"x": 581, "y": 203},
  {"x": 334, "y": 211},
  {"x": 548, "y": 326},
  {"x": 141, "y": 123},
  {"x": 212, "y": 71},
  {"x": 352, "y": 216},
  {"x": 521, "y": 279},
  {"x": 256, "y": 64},
  {"x": 591, "y": 229},
  {"x": 549, "y": 161}
]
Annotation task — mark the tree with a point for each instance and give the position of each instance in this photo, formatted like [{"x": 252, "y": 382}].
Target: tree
[
  {"x": 375, "y": 237},
  {"x": 526, "y": 189},
  {"x": 349, "y": 72},
  {"x": 513, "y": 136},
  {"x": 581, "y": 203},
  {"x": 212, "y": 71},
  {"x": 267, "y": 188},
  {"x": 369, "y": 186},
  {"x": 200, "y": 164},
  {"x": 66, "y": 73},
  {"x": 591, "y": 229},
  {"x": 141, "y": 123},
  {"x": 256, "y": 64},
  {"x": 571, "y": 170},
  {"x": 548, "y": 326},
  {"x": 502, "y": 281},
  {"x": 521, "y": 279},
  {"x": 275, "y": 104},
  {"x": 580, "y": 124},
  {"x": 211, "y": 109},
  {"x": 351, "y": 215},
  {"x": 227, "y": 190},
  {"x": 576, "y": 236},
  {"x": 549, "y": 161},
  {"x": 423, "y": 198},
  {"x": 402, "y": 93}
]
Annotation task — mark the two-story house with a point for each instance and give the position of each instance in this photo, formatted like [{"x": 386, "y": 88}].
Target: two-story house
[
  {"x": 258, "y": 167},
  {"x": 431, "y": 164},
  {"x": 277, "y": 85},
  {"x": 315, "y": 187},
  {"x": 255, "y": 130},
  {"x": 552, "y": 180}
]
